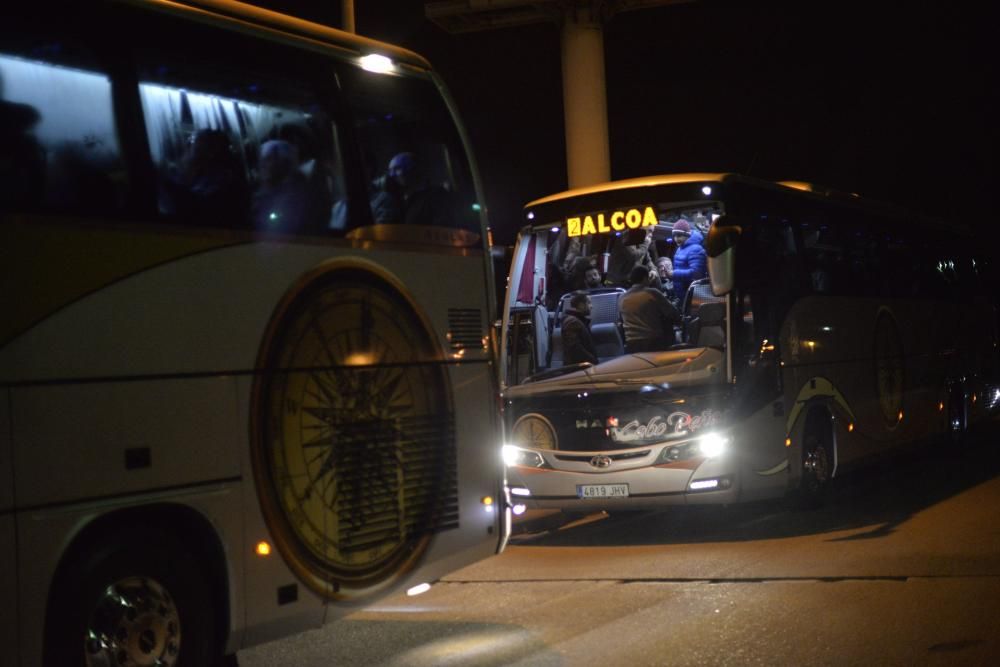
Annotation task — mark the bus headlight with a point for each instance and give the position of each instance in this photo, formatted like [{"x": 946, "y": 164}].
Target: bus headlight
[
  {"x": 713, "y": 445},
  {"x": 515, "y": 456}
]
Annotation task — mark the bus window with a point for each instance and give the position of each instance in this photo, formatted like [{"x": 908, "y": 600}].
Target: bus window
[
  {"x": 239, "y": 151},
  {"x": 64, "y": 157},
  {"x": 411, "y": 152}
]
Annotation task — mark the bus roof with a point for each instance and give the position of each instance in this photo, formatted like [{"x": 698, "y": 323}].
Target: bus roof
[
  {"x": 643, "y": 181},
  {"x": 230, "y": 11},
  {"x": 801, "y": 188}
]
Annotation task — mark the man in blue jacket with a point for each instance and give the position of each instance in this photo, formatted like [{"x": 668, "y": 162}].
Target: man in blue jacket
[{"x": 690, "y": 263}]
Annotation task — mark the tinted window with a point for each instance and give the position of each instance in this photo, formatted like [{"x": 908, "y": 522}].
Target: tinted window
[
  {"x": 60, "y": 146},
  {"x": 247, "y": 144},
  {"x": 412, "y": 155}
]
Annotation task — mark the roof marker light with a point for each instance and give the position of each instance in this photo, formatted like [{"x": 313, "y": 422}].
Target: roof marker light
[{"x": 377, "y": 63}]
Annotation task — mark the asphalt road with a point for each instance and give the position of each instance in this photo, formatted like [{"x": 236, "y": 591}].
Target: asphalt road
[{"x": 901, "y": 567}]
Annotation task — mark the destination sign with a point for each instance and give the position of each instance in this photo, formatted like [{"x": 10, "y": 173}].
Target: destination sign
[{"x": 611, "y": 221}]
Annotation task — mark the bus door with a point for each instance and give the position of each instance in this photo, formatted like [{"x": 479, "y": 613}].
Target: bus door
[{"x": 525, "y": 333}]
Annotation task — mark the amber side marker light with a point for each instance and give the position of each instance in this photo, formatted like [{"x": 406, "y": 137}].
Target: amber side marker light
[{"x": 263, "y": 548}]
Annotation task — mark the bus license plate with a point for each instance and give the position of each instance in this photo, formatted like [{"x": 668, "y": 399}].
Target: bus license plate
[{"x": 602, "y": 490}]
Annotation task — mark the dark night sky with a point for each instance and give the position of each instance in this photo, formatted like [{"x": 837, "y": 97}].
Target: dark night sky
[{"x": 897, "y": 103}]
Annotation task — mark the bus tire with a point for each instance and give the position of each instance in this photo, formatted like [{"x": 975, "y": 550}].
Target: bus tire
[
  {"x": 815, "y": 475},
  {"x": 133, "y": 603},
  {"x": 957, "y": 417}
]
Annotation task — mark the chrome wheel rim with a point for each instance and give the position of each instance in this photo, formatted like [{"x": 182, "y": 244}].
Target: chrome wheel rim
[
  {"x": 135, "y": 623},
  {"x": 816, "y": 463}
]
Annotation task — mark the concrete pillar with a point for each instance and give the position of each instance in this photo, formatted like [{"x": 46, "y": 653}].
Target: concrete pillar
[
  {"x": 585, "y": 107},
  {"x": 347, "y": 15}
]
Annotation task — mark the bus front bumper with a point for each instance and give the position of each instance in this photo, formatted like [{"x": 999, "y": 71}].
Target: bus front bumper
[{"x": 591, "y": 481}]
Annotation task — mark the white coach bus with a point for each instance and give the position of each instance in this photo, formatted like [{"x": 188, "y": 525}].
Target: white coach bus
[
  {"x": 829, "y": 331},
  {"x": 247, "y": 377}
]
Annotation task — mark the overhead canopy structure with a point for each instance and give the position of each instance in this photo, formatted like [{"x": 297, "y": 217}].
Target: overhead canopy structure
[
  {"x": 588, "y": 155},
  {"x": 457, "y": 16}
]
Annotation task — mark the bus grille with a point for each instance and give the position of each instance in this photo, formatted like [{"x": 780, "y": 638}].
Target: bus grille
[
  {"x": 614, "y": 457},
  {"x": 465, "y": 328},
  {"x": 402, "y": 486}
]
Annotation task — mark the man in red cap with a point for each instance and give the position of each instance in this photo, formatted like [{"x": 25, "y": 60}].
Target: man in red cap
[{"x": 690, "y": 262}]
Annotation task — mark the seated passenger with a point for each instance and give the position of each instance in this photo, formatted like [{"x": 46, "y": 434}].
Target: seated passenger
[
  {"x": 578, "y": 344},
  {"x": 22, "y": 171},
  {"x": 314, "y": 163},
  {"x": 209, "y": 183},
  {"x": 583, "y": 274},
  {"x": 592, "y": 278},
  {"x": 664, "y": 269},
  {"x": 405, "y": 196},
  {"x": 283, "y": 201},
  {"x": 647, "y": 315}
]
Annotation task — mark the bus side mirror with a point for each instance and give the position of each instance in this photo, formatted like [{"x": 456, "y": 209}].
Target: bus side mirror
[{"x": 723, "y": 237}]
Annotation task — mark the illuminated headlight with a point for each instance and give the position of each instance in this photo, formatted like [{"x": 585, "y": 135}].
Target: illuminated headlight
[
  {"x": 992, "y": 397},
  {"x": 713, "y": 445},
  {"x": 707, "y": 446},
  {"x": 711, "y": 484},
  {"x": 515, "y": 456}
]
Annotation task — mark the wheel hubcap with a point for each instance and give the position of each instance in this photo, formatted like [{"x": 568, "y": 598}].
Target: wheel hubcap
[
  {"x": 135, "y": 623},
  {"x": 816, "y": 463}
]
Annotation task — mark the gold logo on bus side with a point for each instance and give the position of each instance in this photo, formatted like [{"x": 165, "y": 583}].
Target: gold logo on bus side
[
  {"x": 613, "y": 221},
  {"x": 353, "y": 433}
]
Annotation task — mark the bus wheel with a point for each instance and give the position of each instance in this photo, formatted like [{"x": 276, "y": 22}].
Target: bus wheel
[
  {"x": 957, "y": 426},
  {"x": 815, "y": 472},
  {"x": 137, "y": 605}
]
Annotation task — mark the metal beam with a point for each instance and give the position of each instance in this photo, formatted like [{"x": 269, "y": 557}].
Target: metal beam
[{"x": 459, "y": 16}]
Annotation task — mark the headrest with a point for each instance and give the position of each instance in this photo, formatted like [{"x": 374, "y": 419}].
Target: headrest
[{"x": 713, "y": 312}]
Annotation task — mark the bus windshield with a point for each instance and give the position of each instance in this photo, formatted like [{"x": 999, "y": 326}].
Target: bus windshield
[{"x": 638, "y": 261}]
